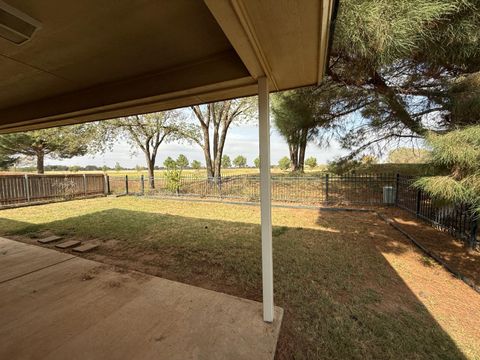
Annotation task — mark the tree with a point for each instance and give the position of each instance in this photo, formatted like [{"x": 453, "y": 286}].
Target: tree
[
  {"x": 182, "y": 161},
  {"x": 215, "y": 120},
  {"x": 147, "y": 132},
  {"x": 74, "y": 168},
  {"x": 284, "y": 163},
  {"x": 406, "y": 155},
  {"x": 118, "y": 167},
  {"x": 256, "y": 162},
  {"x": 462, "y": 182},
  {"x": 105, "y": 168},
  {"x": 404, "y": 68},
  {"x": 62, "y": 143},
  {"x": 295, "y": 118},
  {"x": 226, "y": 162},
  {"x": 240, "y": 161},
  {"x": 311, "y": 162},
  {"x": 173, "y": 173},
  {"x": 169, "y": 163},
  {"x": 196, "y": 165},
  {"x": 6, "y": 161}
]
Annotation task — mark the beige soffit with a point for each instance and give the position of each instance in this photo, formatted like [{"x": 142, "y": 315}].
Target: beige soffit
[{"x": 93, "y": 60}]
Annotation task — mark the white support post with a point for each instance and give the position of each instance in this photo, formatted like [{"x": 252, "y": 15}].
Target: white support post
[{"x": 265, "y": 198}]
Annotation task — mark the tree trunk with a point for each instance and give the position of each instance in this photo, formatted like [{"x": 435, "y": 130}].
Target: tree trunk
[
  {"x": 40, "y": 162},
  {"x": 293, "y": 149},
  {"x": 151, "y": 174},
  {"x": 301, "y": 150}
]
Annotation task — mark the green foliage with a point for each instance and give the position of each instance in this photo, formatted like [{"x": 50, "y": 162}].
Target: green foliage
[
  {"x": 182, "y": 161},
  {"x": 196, "y": 165},
  {"x": 459, "y": 152},
  {"x": 299, "y": 116},
  {"x": 284, "y": 163},
  {"x": 169, "y": 163},
  {"x": 256, "y": 162},
  {"x": 406, "y": 155},
  {"x": 61, "y": 143},
  {"x": 404, "y": 68},
  {"x": 226, "y": 162},
  {"x": 311, "y": 162},
  {"x": 343, "y": 165},
  {"x": 173, "y": 174},
  {"x": 118, "y": 167},
  {"x": 240, "y": 161},
  {"x": 74, "y": 168},
  {"x": 6, "y": 161}
]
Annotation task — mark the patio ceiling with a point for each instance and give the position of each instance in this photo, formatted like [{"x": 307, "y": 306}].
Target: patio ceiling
[{"x": 91, "y": 60}]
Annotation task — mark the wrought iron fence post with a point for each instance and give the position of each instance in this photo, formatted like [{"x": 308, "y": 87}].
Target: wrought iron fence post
[
  {"x": 126, "y": 184},
  {"x": 142, "y": 185},
  {"x": 27, "y": 188},
  {"x": 473, "y": 233},
  {"x": 326, "y": 188},
  {"x": 397, "y": 188},
  {"x": 419, "y": 196}
]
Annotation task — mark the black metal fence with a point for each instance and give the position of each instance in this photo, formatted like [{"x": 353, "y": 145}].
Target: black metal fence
[
  {"x": 372, "y": 189},
  {"x": 456, "y": 219},
  {"x": 334, "y": 189}
]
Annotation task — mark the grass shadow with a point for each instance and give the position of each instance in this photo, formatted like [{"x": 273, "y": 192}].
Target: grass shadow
[{"x": 342, "y": 298}]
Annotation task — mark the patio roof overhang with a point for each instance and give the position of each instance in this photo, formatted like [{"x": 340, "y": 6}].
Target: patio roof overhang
[
  {"x": 69, "y": 62},
  {"x": 65, "y": 62}
]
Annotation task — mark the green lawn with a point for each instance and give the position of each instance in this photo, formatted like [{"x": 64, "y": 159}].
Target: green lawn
[{"x": 350, "y": 285}]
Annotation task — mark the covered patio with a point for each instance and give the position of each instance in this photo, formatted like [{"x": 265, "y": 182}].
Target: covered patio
[
  {"x": 58, "y": 306},
  {"x": 65, "y": 63}
]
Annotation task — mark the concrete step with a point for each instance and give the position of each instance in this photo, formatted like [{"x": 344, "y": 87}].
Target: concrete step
[
  {"x": 68, "y": 244},
  {"x": 85, "y": 248},
  {"x": 49, "y": 239}
]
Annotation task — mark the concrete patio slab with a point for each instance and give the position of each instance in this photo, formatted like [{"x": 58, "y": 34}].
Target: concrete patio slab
[
  {"x": 81, "y": 309},
  {"x": 19, "y": 259}
]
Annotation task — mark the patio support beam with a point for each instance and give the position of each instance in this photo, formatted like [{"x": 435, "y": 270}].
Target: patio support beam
[{"x": 265, "y": 198}]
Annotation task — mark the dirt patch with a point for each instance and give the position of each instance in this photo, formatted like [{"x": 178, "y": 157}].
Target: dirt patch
[{"x": 451, "y": 250}]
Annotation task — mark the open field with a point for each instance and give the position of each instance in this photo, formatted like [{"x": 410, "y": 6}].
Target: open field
[
  {"x": 351, "y": 286},
  {"x": 134, "y": 174}
]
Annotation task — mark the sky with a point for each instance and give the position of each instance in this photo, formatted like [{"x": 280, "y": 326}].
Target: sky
[{"x": 241, "y": 140}]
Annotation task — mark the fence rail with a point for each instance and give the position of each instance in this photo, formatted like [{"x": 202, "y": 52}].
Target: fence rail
[
  {"x": 456, "y": 219},
  {"x": 348, "y": 189},
  {"x": 25, "y": 189},
  {"x": 375, "y": 189}
]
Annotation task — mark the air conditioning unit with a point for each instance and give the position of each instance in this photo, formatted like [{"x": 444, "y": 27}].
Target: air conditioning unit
[{"x": 15, "y": 25}]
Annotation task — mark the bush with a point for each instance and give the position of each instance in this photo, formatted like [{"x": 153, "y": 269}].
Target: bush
[
  {"x": 311, "y": 162},
  {"x": 284, "y": 163}
]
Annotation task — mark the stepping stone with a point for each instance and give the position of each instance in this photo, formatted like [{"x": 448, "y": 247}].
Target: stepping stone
[
  {"x": 85, "y": 248},
  {"x": 49, "y": 239},
  {"x": 68, "y": 244}
]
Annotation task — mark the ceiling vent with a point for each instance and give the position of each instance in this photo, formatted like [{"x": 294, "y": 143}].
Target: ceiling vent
[{"x": 16, "y": 26}]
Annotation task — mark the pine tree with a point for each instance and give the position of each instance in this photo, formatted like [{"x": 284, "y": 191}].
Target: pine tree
[{"x": 462, "y": 183}]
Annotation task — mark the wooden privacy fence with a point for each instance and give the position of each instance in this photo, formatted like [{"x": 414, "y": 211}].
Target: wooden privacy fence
[{"x": 25, "y": 189}]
